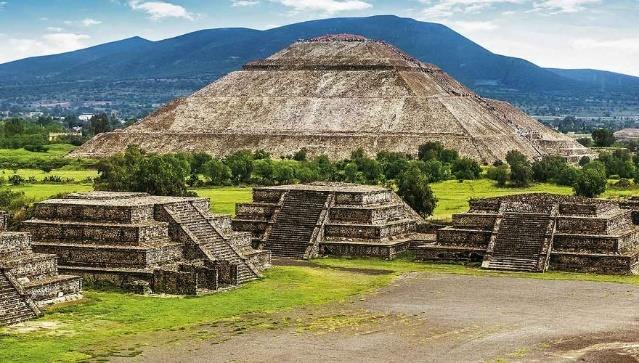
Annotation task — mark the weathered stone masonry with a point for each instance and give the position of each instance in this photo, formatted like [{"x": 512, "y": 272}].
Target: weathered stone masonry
[
  {"x": 141, "y": 242},
  {"x": 29, "y": 280},
  {"x": 535, "y": 232},
  {"x": 308, "y": 220}
]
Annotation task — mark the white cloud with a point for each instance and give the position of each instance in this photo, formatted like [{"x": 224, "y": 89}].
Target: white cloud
[
  {"x": 563, "y": 6},
  {"x": 158, "y": 10},
  {"x": 440, "y": 9},
  {"x": 89, "y": 22},
  {"x": 628, "y": 44},
  {"x": 242, "y": 3},
  {"x": 473, "y": 26},
  {"x": 51, "y": 43},
  {"x": 326, "y": 6},
  {"x": 54, "y": 29}
]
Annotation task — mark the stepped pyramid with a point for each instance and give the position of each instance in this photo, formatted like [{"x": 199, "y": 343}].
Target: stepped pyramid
[
  {"x": 308, "y": 220},
  {"x": 536, "y": 232},
  {"x": 332, "y": 95},
  {"x": 138, "y": 241},
  {"x": 29, "y": 280}
]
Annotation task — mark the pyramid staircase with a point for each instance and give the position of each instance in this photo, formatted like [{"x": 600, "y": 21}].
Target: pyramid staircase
[
  {"x": 298, "y": 224},
  {"x": 211, "y": 241},
  {"x": 15, "y": 305},
  {"x": 521, "y": 241}
]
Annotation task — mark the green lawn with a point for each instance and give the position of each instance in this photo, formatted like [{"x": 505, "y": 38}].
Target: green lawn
[
  {"x": 39, "y": 192},
  {"x": 106, "y": 320},
  {"x": 22, "y": 155},
  {"x": 223, "y": 199},
  {"x": 453, "y": 196},
  {"x": 64, "y": 173}
]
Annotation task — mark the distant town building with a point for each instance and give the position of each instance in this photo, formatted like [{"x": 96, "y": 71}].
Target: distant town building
[
  {"x": 53, "y": 136},
  {"x": 85, "y": 116}
]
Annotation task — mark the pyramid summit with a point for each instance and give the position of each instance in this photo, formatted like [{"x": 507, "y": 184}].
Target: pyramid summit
[{"x": 332, "y": 95}]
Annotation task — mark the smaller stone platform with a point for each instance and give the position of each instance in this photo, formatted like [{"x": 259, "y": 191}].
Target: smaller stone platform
[
  {"x": 29, "y": 280},
  {"x": 536, "y": 232},
  {"x": 308, "y": 220},
  {"x": 143, "y": 242}
]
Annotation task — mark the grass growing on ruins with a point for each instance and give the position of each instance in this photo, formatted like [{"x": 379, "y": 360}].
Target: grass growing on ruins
[
  {"x": 107, "y": 322},
  {"x": 223, "y": 199}
]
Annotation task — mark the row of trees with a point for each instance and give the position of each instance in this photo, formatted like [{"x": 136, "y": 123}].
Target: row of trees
[
  {"x": 172, "y": 174},
  {"x": 589, "y": 181}
]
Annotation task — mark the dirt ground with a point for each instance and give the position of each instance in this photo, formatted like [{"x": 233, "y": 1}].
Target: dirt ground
[{"x": 434, "y": 318}]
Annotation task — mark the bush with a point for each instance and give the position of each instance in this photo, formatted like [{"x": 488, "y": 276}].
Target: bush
[
  {"x": 38, "y": 148},
  {"x": 590, "y": 182},
  {"x": 584, "y": 160},
  {"x": 585, "y": 141},
  {"x": 521, "y": 172},
  {"x": 301, "y": 155},
  {"x": 16, "y": 204},
  {"x": 241, "y": 165},
  {"x": 430, "y": 151},
  {"x": 603, "y": 137},
  {"x": 135, "y": 171},
  {"x": 622, "y": 184},
  {"x": 466, "y": 169},
  {"x": 500, "y": 174},
  {"x": 548, "y": 168},
  {"x": 16, "y": 179},
  {"x": 415, "y": 191},
  {"x": 217, "y": 172}
]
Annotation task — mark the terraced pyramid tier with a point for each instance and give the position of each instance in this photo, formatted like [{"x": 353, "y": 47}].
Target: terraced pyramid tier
[
  {"x": 332, "y": 95},
  {"x": 138, "y": 241},
  {"x": 534, "y": 232},
  {"x": 307, "y": 220}
]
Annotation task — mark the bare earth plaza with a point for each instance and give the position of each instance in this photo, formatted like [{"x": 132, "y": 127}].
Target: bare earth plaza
[{"x": 349, "y": 267}]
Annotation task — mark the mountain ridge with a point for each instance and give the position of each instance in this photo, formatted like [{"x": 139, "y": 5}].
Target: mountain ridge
[{"x": 208, "y": 54}]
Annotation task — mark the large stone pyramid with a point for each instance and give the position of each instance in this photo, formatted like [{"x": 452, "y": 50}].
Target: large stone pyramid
[{"x": 332, "y": 95}]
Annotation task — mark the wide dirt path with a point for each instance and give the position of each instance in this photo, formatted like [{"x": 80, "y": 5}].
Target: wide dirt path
[{"x": 446, "y": 318}]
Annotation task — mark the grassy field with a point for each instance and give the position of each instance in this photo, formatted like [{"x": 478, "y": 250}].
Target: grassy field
[
  {"x": 452, "y": 196},
  {"x": 223, "y": 199},
  {"x": 64, "y": 173},
  {"x": 22, "y": 155},
  {"x": 39, "y": 192},
  {"x": 103, "y": 321},
  {"x": 107, "y": 323}
]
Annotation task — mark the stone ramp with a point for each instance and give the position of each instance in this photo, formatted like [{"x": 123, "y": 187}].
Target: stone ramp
[
  {"x": 294, "y": 230},
  {"x": 15, "y": 306},
  {"x": 212, "y": 244},
  {"x": 520, "y": 242}
]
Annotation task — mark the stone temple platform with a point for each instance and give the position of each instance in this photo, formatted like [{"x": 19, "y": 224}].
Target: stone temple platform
[
  {"x": 29, "y": 280},
  {"x": 536, "y": 232},
  {"x": 141, "y": 242},
  {"x": 307, "y": 220}
]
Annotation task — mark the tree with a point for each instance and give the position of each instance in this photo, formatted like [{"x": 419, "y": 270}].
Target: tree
[
  {"x": 134, "y": 171},
  {"x": 585, "y": 141},
  {"x": 603, "y": 137},
  {"x": 263, "y": 170},
  {"x": 590, "y": 182},
  {"x": 241, "y": 165},
  {"x": 521, "y": 171},
  {"x": 99, "y": 124},
  {"x": 217, "y": 172},
  {"x": 283, "y": 173},
  {"x": 501, "y": 174},
  {"x": 301, "y": 154},
  {"x": 466, "y": 169},
  {"x": 584, "y": 160},
  {"x": 430, "y": 151},
  {"x": 415, "y": 191},
  {"x": 434, "y": 170},
  {"x": 548, "y": 168}
]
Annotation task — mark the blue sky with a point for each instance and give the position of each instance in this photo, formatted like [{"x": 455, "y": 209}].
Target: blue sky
[{"x": 601, "y": 34}]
